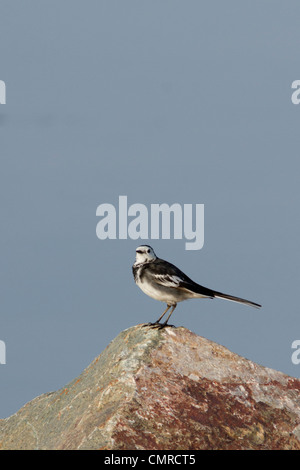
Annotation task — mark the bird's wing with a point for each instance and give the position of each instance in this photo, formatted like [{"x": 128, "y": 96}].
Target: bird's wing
[
  {"x": 167, "y": 280},
  {"x": 167, "y": 275},
  {"x": 164, "y": 273}
]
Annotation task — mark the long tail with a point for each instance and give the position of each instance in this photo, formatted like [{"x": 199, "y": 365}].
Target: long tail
[
  {"x": 235, "y": 299},
  {"x": 205, "y": 292}
]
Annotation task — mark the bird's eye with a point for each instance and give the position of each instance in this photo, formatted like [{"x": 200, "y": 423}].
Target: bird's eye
[{"x": 148, "y": 251}]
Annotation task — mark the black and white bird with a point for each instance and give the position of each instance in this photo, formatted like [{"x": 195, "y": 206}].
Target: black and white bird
[{"x": 163, "y": 281}]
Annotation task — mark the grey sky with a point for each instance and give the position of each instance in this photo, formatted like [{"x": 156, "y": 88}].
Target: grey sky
[{"x": 164, "y": 102}]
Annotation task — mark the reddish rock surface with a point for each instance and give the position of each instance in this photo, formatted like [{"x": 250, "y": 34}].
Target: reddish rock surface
[{"x": 163, "y": 389}]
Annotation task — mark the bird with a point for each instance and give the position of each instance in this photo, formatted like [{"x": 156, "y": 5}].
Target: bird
[{"x": 163, "y": 281}]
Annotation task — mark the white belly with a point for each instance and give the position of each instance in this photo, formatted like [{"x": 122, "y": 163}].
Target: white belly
[{"x": 164, "y": 294}]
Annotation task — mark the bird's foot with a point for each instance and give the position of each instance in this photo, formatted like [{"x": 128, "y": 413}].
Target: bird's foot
[
  {"x": 153, "y": 325},
  {"x": 158, "y": 325},
  {"x": 165, "y": 325}
]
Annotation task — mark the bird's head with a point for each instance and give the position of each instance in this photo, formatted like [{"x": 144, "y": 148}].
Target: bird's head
[{"x": 144, "y": 254}]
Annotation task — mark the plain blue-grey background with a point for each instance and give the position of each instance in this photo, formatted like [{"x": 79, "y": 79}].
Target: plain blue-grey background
[{"x": 162, "y": 101}]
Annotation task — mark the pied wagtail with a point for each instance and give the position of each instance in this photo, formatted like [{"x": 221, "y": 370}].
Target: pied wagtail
[{"x": 163, "y": 281}]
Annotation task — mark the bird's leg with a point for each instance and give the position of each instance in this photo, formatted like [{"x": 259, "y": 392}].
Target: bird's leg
[
  {"x": 156, "y": 324},
  {"x": 166, "y": 322},
  {"x": 168, "y": 306}
]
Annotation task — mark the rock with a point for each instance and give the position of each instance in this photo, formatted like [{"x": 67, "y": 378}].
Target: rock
[{"x": 163, "y": 390}]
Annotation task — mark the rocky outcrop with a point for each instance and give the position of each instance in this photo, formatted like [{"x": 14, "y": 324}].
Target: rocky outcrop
[{"x": 163, "y": 389}]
